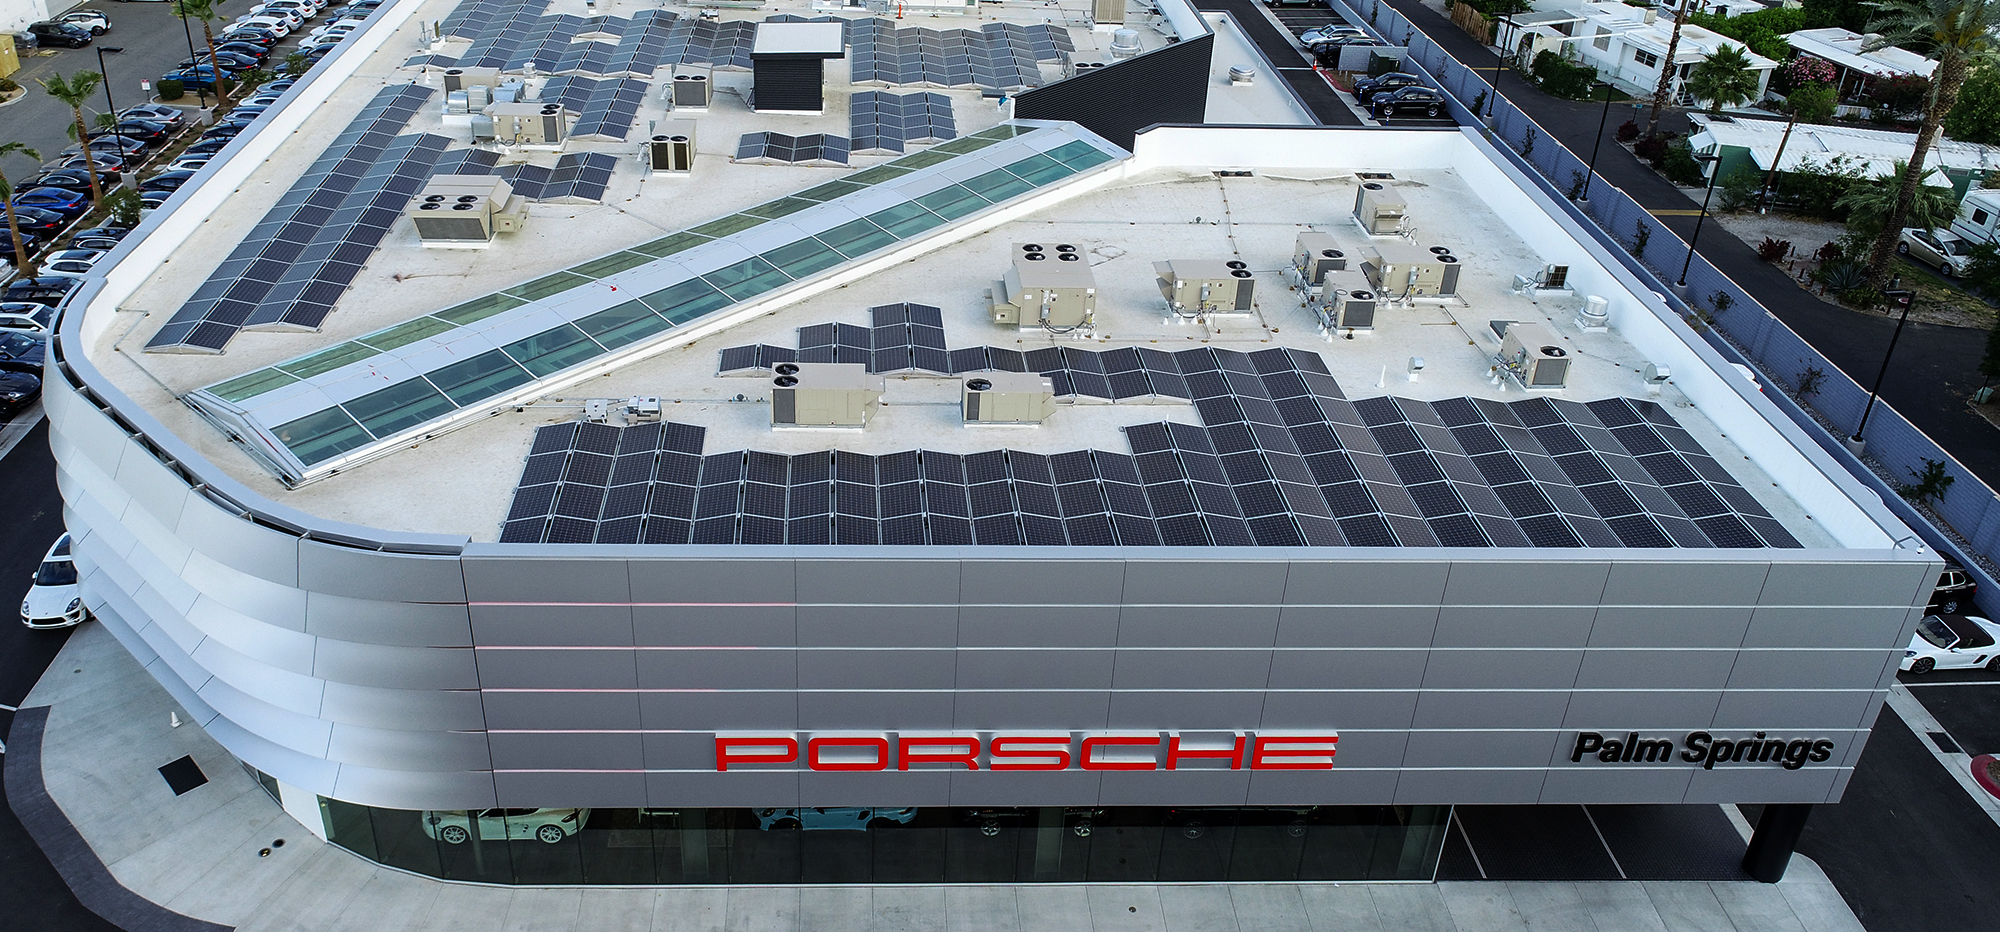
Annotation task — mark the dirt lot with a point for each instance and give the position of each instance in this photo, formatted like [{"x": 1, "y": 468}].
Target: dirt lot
[{"x": 1938, "y": 300}]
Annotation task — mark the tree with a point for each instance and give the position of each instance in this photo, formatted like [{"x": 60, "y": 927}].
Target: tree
[
  {"x": 1810, "y": 103},
  {"x": 1976, "y": 117},
  {"x": 1663, "y": 94},
  {"x": 1960, "y": 34},
  {"x": 75, "y": 91},
  {"x": 21, "y": 260},
  {"x": 1724, "y": 79},
  {"x": 205, "y": 11},
  {"x": 1869, "y": 202}
]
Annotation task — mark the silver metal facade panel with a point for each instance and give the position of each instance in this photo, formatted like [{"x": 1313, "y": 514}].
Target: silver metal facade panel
[{"x": 416, "y": 680}]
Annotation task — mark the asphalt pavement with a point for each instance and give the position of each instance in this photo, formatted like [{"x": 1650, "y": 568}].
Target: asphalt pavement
[{"x": 1935, "y": 367}]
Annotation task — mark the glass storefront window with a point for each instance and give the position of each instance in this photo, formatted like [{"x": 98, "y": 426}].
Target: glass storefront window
[{"x": 1120, "y": 844}]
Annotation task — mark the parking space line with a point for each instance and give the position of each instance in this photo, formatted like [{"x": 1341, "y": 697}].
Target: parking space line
[
  {"x": 8, "y": 708},
  {"x": 1602, "y": 841},
  {"x": 1958, "y": 765},
  {"x": 23, "y": 422},
  {"x": 1469, "y": 849}
]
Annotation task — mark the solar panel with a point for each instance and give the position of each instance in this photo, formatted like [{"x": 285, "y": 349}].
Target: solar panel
[{"x": 781, "y": 149}]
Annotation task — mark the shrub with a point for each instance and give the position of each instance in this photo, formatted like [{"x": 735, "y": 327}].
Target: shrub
[
  {"x": 1641, "y": 235},
  {"x": 1830, "y": 252},
  {"x": 1930, "y": 485},
  {"x": 9, "y": 86},
  {"x": 1810, "y": 381},
  {"x": 123, "y": 205},
  {"x": 1722, "y": 301},
  {"x": 1863, "y": 297},
  {"x": 1772, "y": 250},
  {"x": 1901, "y": 94},
  {"x": 1562, "y": 78},
  {"x": 1679, "y": 165},
  {"x": 1739, "y": 187},
  {"x": 1652, "y": 148},
  {"x": 1842, "y": 276},
  {"x": 172, "y": 89},
  {"x": 1628, "y": 131}
]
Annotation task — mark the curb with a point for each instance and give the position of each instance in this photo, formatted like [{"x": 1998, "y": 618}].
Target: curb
[{"x": 1982, "y": 777}]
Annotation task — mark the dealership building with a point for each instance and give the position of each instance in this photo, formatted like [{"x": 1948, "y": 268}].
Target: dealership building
[{"x": 565, "y": 444}]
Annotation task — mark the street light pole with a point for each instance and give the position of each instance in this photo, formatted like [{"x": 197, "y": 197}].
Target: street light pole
[
  {"x": 1855, "y": 442},
  {"x": 189, "y": 32},
  {"x": 1602, "y": 119},
  {"x": 105, "y": 74},
  {"x": 1715, "y": 168}
]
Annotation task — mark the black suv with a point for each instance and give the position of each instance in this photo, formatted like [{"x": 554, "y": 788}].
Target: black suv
[
  {"x": 49, "y": 290},
  {"x": 1955, "y": 589},
  {"x": 1366, "y": 89},
  {"x": 1408, "y": 100},
  {"x": 63, "y": 35}
]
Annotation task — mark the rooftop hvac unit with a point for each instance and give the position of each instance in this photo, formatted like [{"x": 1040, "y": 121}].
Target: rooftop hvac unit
[
  {"x": 689, "y": 90},
  {"x": 1049, "y": 286},
  {"x": 477, "y": 97},
  {"x": 1400, "y": 270},
  {"x": 1346, "y": 302},
  {"x": 1448, "y": 284},
  {"x": 672, "y": 149},
  {"x": 1205, "y": 286},
  {"x": 1547, "y": 278},
  {"x": 1008, "y": 398},
  {"x": 530, "y": 124},
  {"x": 1379, "y": 208},
  {"x": 466, "y": 211},
  {"x": 1534, "y": 356},
  {"x": 1315, "y": 255},
  {"x": 458, "y": 79},
  {"x": 456, "y": 102},
  {"x": 824, "y": 394},
  {"x": 642, "y": 409},
  {"x": 1084, "y": 61},
  {"x": 1107, "y": 12},
  {"x": 1125, "y": 43}
]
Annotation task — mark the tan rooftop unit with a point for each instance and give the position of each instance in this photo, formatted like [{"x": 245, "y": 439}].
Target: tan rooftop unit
[
  {"x": 1400, "y": 270},
  {"x": 1379, "y": 208},
  {"x": 824, "y": 394},
  {"x": 1315, "y": 255},
  {"x": 533, "y": 124},
  {"x": 1199, "y": 287},
  {"x": 1008, "y": 398},
  {"x": 1049, "y": 286},
  {"x": 1534, "y": 355},
  {"x": 1345, "y": 301},
  {"x": 466, "y": 211}
]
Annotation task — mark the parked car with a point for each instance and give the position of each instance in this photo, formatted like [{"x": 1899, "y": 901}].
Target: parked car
[
  {"x": 18, "y": 390},
  {"x": 37, "y": 223},
  {"x": 66, "y": 203},
  {"x": 279, "y": 86},
  {"x": 150, "y": 201},
  {"x": 72, "y": 179},
  {"x": 1365, "y": 89},
  {"x": 116, "y": 145},
  {"x": 549, "y": 826},
  {"x": 304, "y": 9},
  {"x": 831, "y": 819},
  {"x": 192, "y": 163},
  {"x": 1408, "y": 100},
  {"x": 333, "y": 32},
  {"x": 1952, "y": 641},
  {"x": 170, "y": 117},
  {"x": 105, "y": 237},
  {"x": 208, "y": 146},
  {"x": 1955, "y": 589},
  {"x": 197, "y": 78},
  {"x": 111, "y": 161},
  {"x": 261, "y": 37},
  {"x": 279, "y": 25},
  {"x": 264, "y": 98},
  {"x": 231, "y": 62},
  {"x": 167, "y": 181},
  {"x": 47, "y": 290},
  {"x": 1328, "y": 31},
  {"x": 96, "y": 22},
  {"x": 1943, "y": 251},
  {"x": 71, "y": 263},
  {"x": 54, "y": 600},
  {"x": 223, "y": 131},
  {"x": 257, "y": 54},
  {"x": 27, "y": 317},
  {"x": 145, "y": 131},
  {"x": 21, "y": 352},
  {"x": 314, "y": 53},
  {"x": 54, "y": 35}
]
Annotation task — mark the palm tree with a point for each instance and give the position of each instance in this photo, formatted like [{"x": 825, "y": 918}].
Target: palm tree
[
  {"x": 204, "y": 10},
  {"x": 1868, "y": 202},
  {"x": 76, "y": 90},
  {"x": 1724, "y": 79},
  {"x": 21, "y": 260},
  {"x": 1663, "y": 94},
  {"x": 1959, "y": 33}
]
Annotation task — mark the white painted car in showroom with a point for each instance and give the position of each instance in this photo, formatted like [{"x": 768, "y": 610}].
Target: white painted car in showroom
[
  {"x": 1945, "y": 642},
  {"x": 544, "y": 825}
]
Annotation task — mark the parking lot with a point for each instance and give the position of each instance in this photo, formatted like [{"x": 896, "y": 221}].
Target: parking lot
[{"x": 1297, "y": 20}]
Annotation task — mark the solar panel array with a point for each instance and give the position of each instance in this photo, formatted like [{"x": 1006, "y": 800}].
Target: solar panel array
[
  {"x": 778, "y": 148},
  {"x": 294, "y": 265},
  {"x": 881, "y": 122},
  {"x": 997, "y": 55},
  {"x": 605, "y": 108},
  {"x": 1282, "y": 460},
  {"x": 909, "y": 338},
  {"x": 512, "y": 34},
  {"x": 578, "y": 176}
]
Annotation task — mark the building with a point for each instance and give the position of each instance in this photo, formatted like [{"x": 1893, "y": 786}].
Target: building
[
  {"x": 1872, "y": 152},
  {"x": 1856, "y": 70},
  {"x": 1626, "y": 44},
  {"x": 540, "y": 563}
]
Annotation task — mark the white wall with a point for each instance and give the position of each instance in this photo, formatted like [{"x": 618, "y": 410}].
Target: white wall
[{"x": 15, "y": 15}]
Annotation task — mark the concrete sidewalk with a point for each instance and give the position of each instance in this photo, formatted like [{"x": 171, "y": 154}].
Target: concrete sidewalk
[{"x": 198, "y": 856}]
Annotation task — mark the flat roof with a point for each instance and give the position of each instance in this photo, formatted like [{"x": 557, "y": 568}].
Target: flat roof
[
  {"x": 1844, "y": 48},
  {"x": 651, "y": 281}
]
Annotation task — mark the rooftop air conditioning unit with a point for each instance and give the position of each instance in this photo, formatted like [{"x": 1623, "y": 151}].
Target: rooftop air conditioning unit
[
  {"x": 1202, "y": 287},
  {"x": 466, "y": 211},
  {"x": 1346, "y": 302},
  {"x": 672, "y": 149},
  {"x": 1008, "y": 398},
  {"x": 1401, "y": 270},
  {"x": 533, "y": 124},
  {"x": 1315, "y": 255},
  {"x": 1379, "y": 208},
  {"x": 1049, "y": 286},
  {"x": 1448, "y": 282},
  {"x": 458, "y": 79},
  {"x": 824, "y": 394},
  {"x": 689, "y": 90},
  {"x": 1085, "y": 61},
  {"x": 1534, "y": 356},
  {"x": 1107, "y": 12}
]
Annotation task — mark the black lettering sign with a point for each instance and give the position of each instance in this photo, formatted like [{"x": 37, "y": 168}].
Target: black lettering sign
[{"x": 1700, "y": 747}]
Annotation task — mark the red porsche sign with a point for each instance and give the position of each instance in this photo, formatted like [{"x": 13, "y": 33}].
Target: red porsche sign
[{"x": 1026, "y": 751}]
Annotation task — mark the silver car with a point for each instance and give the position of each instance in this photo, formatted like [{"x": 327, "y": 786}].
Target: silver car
[{"x": 1943, "y": 251}]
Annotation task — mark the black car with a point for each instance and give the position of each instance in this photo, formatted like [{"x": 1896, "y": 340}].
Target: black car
[
  {"x": 18, "y": 390},
  {"x": 1409, "y": 100},
  {"x": 277, "y": 87},
  {"x": 167, "y": 181},
  {"x": 206, "y": 147},
  {"x": 250, "y": 50},
  {"x": 147, "y": 131},
  {"x": 20, "y": 352},
  {"x": 263, "y": 38},
  {"x": 1365, "y": 89},
  {"x": 1954, "y": 592},
  {"x": 112, "y": 233},
  {"x": 41, "y": 223},
  {"x": 72, "y": 179},
  {"x": 59, "y": 35},
  {"x": 93, "y": 241},
  {"x": 47, "y": 290},
  {"x": 224, "y": 131},
  {"x": 231, "y": 62}
]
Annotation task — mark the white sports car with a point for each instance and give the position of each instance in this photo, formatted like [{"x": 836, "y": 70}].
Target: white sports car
[
  {"x": 1947, "y": 641},
  {"x": 548, "y": 826},
  {"x": 54, "y": 601}
]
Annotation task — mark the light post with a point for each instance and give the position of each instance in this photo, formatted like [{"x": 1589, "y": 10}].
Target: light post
[
  {"x": 105, "y": 73},
  {"x": 189, "y": 32},
  {"x": 1857, "y": 443},
  {"x": 1714, "y": 168},
  {"x": 1499, "y": 61},
  {"x": 1602, "y": 119}
]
